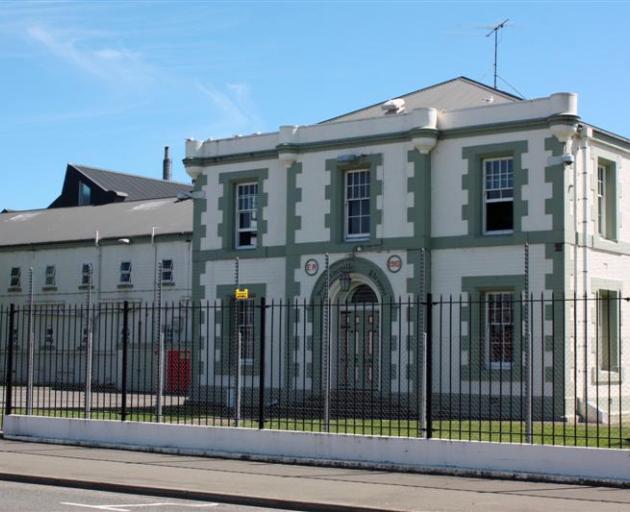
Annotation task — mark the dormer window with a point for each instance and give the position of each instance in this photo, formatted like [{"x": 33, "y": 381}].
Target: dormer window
[{"x": 85, "y": 194}]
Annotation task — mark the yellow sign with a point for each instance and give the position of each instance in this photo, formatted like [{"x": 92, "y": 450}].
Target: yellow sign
[{"x": 241, "y": 294}]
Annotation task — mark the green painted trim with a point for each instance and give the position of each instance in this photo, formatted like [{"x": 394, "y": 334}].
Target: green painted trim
[
  {"x": 294, "y": 223},
  {"x": 208, "y": 161},
  {"x": 357, "y": 266},
  {"x": 474, "y": 341},
  {"x": 420, "y": 185},
  {"x": 472, "y": 182},
  {"x": 198, "y": 289},
  {"x": 226, "y": 228},
  {"x": 334, "y": 194},
  {"x": 385, "y": 244}
]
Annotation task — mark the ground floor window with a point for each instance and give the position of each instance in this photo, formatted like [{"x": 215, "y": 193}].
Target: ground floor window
[
  {"x": 245, "y": 330},
  {"x": 499, "y": 329},
  {"x": 607, "y": 332}
]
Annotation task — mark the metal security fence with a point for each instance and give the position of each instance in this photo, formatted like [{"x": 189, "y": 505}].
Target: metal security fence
[{"x": 489, "y": 367}]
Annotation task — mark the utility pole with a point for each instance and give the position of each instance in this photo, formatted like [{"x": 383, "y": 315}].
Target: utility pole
[{"x": 495, "y": 31}]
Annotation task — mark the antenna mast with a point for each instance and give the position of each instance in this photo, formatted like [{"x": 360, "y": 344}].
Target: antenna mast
[{"x": 495, "y": 31}]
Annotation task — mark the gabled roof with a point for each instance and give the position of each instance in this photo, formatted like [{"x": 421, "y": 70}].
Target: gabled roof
[
  {"x": 136, "y": 187},
  {"x": 112, "y": 186},
  {"x": 457, "y": 93},
  {"x": 115, "y": 220}
]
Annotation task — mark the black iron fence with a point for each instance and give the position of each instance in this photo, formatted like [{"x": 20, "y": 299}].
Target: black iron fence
[{"x": 493, "y": 367}]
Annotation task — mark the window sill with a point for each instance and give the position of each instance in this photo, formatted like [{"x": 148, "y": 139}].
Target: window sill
[
  {"x": 14, "y": 289},
  {"x": 49, "y": 288},
  {"x": 357, "y": 239},
  {"x": 168, "y": 283},
  {"x": 604, "y": 377},
  {"x": 124, "y": 286},
  {"x": 246, "y": 248},
  {"x": 85, "y": 287},
  {"x": 500, "y": 366},
  {"x": 499, "y": 232}
]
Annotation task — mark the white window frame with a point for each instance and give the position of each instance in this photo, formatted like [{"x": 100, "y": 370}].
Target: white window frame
[
  {"x": 246, "y": 330},
  {"x": 602, "y": 171},
  {"x": 167, "y": 270},
  {"x": 15, "y": 277},
  {"x": 347, "y": 201},
  {"x": 506, "y": 297},
  {"x": 125, "y": 272},
  {"x": 486, "y": 201},
  {"x": 253, "y": 228},
  {"x": 50, "y": 277}
]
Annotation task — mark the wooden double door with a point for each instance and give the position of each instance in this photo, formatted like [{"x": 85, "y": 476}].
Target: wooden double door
[{"x": 358, "y": 349}]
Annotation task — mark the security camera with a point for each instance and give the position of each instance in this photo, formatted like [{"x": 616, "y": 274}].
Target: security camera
[{"x": 567, "y": 159}]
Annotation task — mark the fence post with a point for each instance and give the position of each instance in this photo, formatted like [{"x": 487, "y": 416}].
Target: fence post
[
  {"x": 261, "y": 380},
  {"x": 157, "y": 319},
  {"x": 30, "y": 370},
  {"x": 125, "y": 345},
  {"x": 428, "y": 400},
  {"x": 89, "y": 348},
  {"x": 9, "y": 391}
]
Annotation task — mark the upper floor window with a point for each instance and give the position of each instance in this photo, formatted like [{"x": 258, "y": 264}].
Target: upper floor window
[
  {"x": 85, "y": 194},
  {"x": 246, "y": 221},
  {"x": 16, "y": 277},
  {"x": 357, "y": 204},
  {"x": 86, "y": 274},
  {"x": 499, "y": 329},
  {"x": 125, "y": 272},
  {"x": 606, "y": 207},
  {"x": 50, "y": 279},
  {"x": 498, "y": 195},
  {"x": 167, "y": 271}
]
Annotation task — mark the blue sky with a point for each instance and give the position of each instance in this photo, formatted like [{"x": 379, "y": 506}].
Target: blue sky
[{"x": 109, "y": 84}]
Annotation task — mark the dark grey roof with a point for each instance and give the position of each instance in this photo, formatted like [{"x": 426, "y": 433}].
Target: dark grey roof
[
  {"x": 80, "y": 223},
  {"x": 136, "y": 187}
]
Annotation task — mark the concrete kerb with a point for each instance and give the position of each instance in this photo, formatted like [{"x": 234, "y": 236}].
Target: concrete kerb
[
  {"x": 184, "y": 494},
  {"x": 558, "y": 464}
]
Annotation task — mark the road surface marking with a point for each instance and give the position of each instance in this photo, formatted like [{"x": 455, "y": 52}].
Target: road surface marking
[{"x": 123, "y": 508}]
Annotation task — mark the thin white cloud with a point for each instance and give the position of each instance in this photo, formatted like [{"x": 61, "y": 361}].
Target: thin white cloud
[
  {"x": 236, "y": 110},
  {"x": 115, "y": 66}
]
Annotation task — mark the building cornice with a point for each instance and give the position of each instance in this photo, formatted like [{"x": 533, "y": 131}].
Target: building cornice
[{"x": 382, "y": 138}]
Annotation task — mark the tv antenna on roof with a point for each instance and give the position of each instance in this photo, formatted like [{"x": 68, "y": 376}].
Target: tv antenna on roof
[{"x": 495, "y": 31}]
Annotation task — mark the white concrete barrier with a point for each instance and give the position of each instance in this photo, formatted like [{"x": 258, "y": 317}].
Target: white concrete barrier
[{"x": 557, "y": 463}]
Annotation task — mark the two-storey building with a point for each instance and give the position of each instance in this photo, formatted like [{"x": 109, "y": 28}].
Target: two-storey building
[{"x": 459, "y": 190}]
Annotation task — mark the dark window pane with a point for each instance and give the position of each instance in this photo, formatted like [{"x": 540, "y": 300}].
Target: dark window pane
[
  {"x": 500, "y": 216},
  {"x": 365, "y": 224}
]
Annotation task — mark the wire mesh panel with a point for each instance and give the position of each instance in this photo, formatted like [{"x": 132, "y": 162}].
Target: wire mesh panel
[{"x": 495, "y": 366}]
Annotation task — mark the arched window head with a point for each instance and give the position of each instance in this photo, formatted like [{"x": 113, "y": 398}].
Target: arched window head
[{"x": 363, "y": 294}]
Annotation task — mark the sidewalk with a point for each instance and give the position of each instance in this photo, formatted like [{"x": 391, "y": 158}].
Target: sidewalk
[{"x": 290, "y": 486}]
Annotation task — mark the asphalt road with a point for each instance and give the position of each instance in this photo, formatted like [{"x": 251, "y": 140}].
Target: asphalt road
[{"x": 19, "y": 497}]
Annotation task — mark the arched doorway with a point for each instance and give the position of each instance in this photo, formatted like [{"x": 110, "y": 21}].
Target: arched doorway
[
  {"x": 346, "y": 294},
  {"x": 358, "y": 339}
]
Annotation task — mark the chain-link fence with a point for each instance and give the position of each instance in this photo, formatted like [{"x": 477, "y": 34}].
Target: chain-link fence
[{"x": 495, "y": 367}]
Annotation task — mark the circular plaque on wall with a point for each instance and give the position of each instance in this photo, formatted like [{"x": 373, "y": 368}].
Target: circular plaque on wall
[
  {"x": 311, "y": 267},
  {"x": 394, "y": 263}
]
